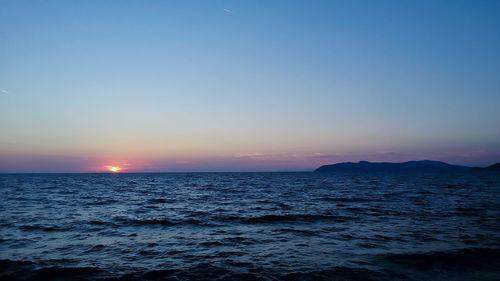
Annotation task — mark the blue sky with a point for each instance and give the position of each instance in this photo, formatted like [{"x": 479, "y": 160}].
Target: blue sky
[{"x": 246, "y": 85}]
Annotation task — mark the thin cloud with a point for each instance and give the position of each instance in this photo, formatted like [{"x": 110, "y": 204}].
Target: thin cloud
[
  {"x": 4, "y": 91},
  {"x": 249, "y": 155},
  {"x": 228, "y": 11}
]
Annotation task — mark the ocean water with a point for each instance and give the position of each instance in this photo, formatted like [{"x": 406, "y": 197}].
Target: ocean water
[{"x": 250, "y": 226}]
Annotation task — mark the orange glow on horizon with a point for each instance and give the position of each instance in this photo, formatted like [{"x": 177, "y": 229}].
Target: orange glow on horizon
[{"x": 114, "y": 169}]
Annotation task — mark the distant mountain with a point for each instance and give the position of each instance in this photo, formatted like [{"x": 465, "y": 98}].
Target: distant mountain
[
  {"x": 410, "y": 166},
  {"x": 494, "y": 167}
]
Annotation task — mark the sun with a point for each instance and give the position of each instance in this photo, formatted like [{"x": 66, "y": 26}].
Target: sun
[{"x": 114, "y": 169}]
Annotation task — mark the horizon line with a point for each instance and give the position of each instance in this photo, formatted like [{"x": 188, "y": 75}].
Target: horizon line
[
  {"x": 156, "y": 172},
  {"x": 270, "y": 171}
]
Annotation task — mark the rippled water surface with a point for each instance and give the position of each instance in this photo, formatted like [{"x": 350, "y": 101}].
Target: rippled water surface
[{"x": 271, "y": 226}]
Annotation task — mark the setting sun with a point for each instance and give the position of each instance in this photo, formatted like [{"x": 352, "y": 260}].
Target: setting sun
[{"x": 114, "y": 169}]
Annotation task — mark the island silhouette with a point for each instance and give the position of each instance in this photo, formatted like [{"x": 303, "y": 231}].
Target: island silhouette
[{"x": 409, "y": 166}]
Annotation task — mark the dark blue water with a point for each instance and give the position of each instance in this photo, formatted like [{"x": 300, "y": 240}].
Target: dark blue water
[{"x": 250, "y": 226}]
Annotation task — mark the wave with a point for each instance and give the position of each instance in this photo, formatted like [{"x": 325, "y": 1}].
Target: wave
[
  {"x": 160, "y": 221},
  {"x": 160, "y": 200},
  {"x": 27, "y": 271},
  {"x": 44, "y": 228},
  {"x": 461, "y": 264},
  {"x": 306, "y": 232},
  {"x": 347, "y": 199},
  {"x": 124, "y": 222},
  {"x": 288, "y": 218},
  {"x": 463, "y": 211},
  {"x": 341, "y": 273},
  {"x": 465, "y": 258}
]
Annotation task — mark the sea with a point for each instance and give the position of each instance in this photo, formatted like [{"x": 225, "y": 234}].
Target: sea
[{"x": 250, "y": 226}]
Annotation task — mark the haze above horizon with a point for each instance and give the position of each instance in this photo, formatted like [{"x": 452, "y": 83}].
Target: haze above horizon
[{"x": 246, "y": 86}]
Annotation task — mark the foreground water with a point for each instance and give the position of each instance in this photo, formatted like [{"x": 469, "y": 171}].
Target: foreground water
[{"x": 271, "y": 226}]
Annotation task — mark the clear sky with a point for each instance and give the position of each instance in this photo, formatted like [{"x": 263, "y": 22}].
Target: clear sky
[{"x": 246, "y": 85}]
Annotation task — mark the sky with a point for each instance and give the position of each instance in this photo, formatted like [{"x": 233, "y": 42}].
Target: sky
[{"x": 167, "y": 86}]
